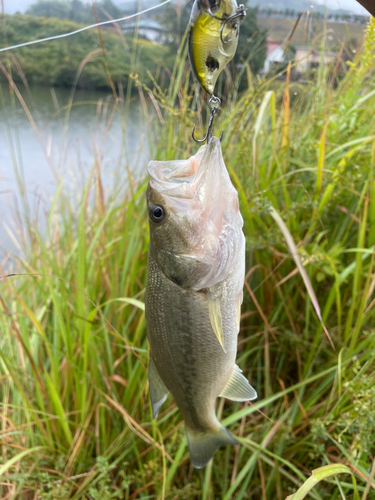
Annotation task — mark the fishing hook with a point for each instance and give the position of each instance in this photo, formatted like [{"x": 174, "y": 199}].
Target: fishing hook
[
  {"x": 241, "y": 12},
  {"x": 214, "y": 104}
]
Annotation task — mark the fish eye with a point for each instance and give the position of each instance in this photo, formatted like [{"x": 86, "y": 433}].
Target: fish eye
[{"x": 157, "y": 213}]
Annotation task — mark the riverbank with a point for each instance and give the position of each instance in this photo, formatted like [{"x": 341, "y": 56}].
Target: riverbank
[{"x": 60, "y": 62}]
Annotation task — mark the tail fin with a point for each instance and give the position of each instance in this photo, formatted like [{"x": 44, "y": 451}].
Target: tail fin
[{"x": 203, "y": 445}]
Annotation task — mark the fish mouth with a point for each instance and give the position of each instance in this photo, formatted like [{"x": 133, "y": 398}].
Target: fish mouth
[{"x": 183, "y": 179}]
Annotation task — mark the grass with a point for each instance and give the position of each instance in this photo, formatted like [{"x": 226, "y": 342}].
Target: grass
[{"x": 75, "y": 420}]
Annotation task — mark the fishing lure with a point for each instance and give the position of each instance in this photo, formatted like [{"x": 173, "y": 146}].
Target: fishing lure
[{"x": 213, "y": 38}]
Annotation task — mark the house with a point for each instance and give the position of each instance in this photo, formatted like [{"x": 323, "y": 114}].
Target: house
[
  {"x": 303, "y": 58},
  {"x": 275, "y": 54},
  {"x": 308, "y": 58}
]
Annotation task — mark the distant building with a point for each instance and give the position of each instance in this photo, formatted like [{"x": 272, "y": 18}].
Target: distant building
[
  {"x": 303, "y": 60},
  {"x": 275, "y": 54},
  {"x": 308, "y": 58}
]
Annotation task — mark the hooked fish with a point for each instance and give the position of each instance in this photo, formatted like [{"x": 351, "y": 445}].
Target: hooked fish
[
  {"x": 213, "y": 38},
  {"x": 196, "y": 271}
]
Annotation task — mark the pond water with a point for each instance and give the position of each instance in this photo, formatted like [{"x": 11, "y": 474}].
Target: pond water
[{"x": 60, "y": 148}]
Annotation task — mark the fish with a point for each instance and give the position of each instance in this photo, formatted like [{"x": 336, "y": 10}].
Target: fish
[
  {"x": 194, "y": 292},
  {"x": 213, "y": 38}
]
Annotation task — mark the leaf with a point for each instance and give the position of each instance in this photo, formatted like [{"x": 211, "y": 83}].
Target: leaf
[
  {"x": 262, "y": 112},
  {"x": 356, "y": 142},
  {"x": 17, "y": 458},
  {"x": 321, "y": 160},
  {"x": 317, "y": 476},
  {"x": 297, "y": 259},
  {"x": 128, "y": 300}
]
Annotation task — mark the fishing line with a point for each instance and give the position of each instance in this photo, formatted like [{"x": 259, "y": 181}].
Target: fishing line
[{"x": 64, "y": 35}]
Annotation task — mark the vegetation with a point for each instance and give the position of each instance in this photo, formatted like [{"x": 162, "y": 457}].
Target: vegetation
[
  {"x": 56, "y": 63},
  {"x": 74, "y": 10},
  {"x": 75, "y": 417},
  {"x": 252, "y": 41}
]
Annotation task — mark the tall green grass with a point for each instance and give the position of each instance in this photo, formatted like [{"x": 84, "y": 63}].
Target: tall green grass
[{"x": 75, "y": 418}]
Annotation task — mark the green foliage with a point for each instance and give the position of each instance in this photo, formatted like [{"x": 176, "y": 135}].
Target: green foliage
[
  {"x": 175, "y": 19},
  {"x": 75, "y": 414},
  {"x": 56, "y": 63},
  {"x": 74, "y": 10},
  {"x": 252, "y": 42}
]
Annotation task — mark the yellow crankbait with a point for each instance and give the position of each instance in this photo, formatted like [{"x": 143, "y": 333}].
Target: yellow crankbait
[{"x": 213, "y": 38}]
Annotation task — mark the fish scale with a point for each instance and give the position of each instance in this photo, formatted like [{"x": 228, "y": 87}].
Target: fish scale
[{"x": 184, "y": 339}]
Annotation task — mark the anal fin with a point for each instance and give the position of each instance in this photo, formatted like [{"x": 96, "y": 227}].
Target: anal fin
[
  {"x": 238, "y": 387},
  {"x": 158, "y": 390}
]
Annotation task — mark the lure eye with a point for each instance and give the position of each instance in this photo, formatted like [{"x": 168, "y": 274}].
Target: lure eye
[
  {"x": 157, "y": 213},
  {"x": 212, "y": 5}
]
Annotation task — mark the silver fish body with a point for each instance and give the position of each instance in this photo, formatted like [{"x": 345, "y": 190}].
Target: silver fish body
[{"x": 194, "y": 293}]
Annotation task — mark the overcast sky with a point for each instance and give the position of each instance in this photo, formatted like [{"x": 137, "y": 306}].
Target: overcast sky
[{"x": 12, "y": 6}]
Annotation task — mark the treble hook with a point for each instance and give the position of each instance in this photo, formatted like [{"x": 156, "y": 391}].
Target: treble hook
[
  {"x": 241, "y": 12},
  {"x": 214, "y": 104}
]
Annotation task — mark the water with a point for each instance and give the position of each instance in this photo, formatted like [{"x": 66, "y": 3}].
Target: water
[{"x": 55, "y": 149}]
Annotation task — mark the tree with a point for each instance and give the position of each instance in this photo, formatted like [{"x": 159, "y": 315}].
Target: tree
[
  {"x": 41, "y": 8},
  {"x": 252, "y": 42},
  {"x": 74, "y": 10},
  {"x": 109, "y": 7},
  {"x": 175, "y": 19}
]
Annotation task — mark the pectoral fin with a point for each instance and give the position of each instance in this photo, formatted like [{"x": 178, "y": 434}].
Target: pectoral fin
[
  {"x": 214, "y": 310},
  {"x": 238, "y": 387},
  {"x": 158, "y": 391}
]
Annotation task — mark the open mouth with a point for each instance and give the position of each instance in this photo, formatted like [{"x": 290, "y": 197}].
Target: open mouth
[{"x": 178, "y": 179}]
